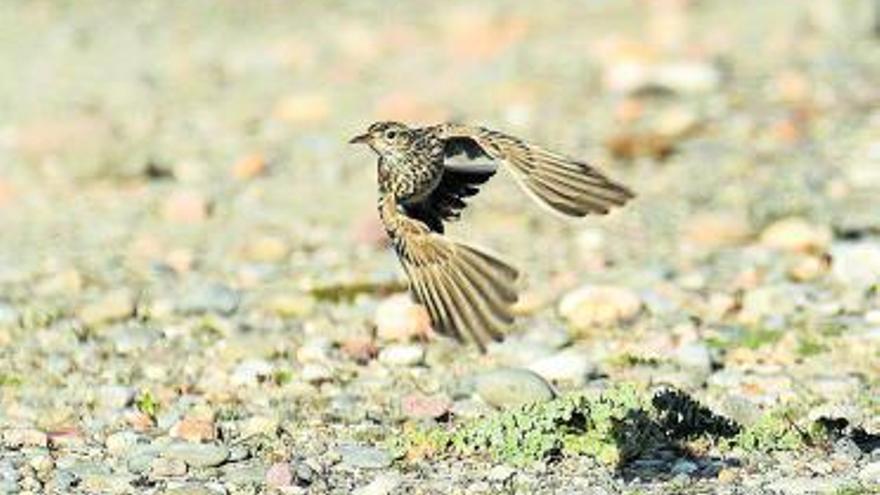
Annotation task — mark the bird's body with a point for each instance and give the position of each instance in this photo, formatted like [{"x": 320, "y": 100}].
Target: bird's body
[{"x": 465, "y": 290}]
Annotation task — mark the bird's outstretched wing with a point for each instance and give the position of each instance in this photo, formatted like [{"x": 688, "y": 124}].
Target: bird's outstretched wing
[
  {"x": 466, "y": 291},
  {"x": 567, "y": 186}
]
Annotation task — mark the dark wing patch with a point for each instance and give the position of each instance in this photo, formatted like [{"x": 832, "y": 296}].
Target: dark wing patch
[
  {"x": 455, "y": 146},
  {"x": 447, "y": 200}
]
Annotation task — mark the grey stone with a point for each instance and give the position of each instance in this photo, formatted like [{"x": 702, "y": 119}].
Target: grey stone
[
  {"x": 209, "y": 298},
  {"x": 870, "y": 474},
  {"x": 402, "y": 355},
  {"x": 366, "y": 457},
  {"x": 571, "y": 365},
  {"x": 511, "y": 387},
  {"x": 197, "y": 455},
  {"x": 245, "y": 473},
  {"x": 694, "y": 356},
  {"x": 383, "y": 484}
]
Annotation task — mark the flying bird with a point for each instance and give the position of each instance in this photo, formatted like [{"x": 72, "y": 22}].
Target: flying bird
[{"x": 467, "y": 291}]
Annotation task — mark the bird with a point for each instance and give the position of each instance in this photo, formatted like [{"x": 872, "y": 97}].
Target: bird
[{"x": 467, "y": 291}]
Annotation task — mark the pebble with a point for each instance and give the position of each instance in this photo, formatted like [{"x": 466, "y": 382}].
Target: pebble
[
  {"x": 316, "y": 373},
  {"x": 197, "y": 455},
  {"x": 870, "y": 474},
  {"x": 209, "y": 298},
  {"x": 194, "y": 429},
  {"x": 694, "y": 356},
  {"x": 383, "y": 484},
  {"x": 291, "y": 305},
  {"x": 856, "y": 264},
  {"x": 115, "y": 306},
  {"x": 163, "y": 468},
  {"x": 418, "y": 406},
  {"x": 245, "y": 473},
  {"x": 604, "y": 306},
  {"x": 249, "y": 167},
  {"x": 684, "y": 466},
  {"x": 132, "y": 339},
  {"x": 510, "y": 387},
  {"x": 570, "y": 365},
  {"x": 251, "y": 372},
  {"x": 500, "y": 473},
  {"x": 114, "y": 396},
  {"x": 192, "y": 489},
  {"x": 716, "y": 229},
  {"x": 186, "y": 206},
  {"x": 24, "y": 437},
  {"x": 279, "y": 475},
  {"x": 259, "y": 425},
  {"x": 399, "y": 319},
  {"x": 120, "y": 442},
  {"x": 518, "y": 352},
  {"x": 364, "y": 457},
  {"x": 402, "y": 355},
  {"x": 107, "y": 483},
  {"x": 796, "y": 234}
]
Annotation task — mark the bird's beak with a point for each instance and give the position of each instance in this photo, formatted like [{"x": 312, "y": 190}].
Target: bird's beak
[{"x": 362, "y": 138}]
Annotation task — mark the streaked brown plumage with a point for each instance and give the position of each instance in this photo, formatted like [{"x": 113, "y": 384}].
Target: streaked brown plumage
[{"x": 467, "y": 291}]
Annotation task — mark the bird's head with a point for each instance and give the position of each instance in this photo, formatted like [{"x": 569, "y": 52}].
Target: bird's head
[{"x": 386, "y": 138}]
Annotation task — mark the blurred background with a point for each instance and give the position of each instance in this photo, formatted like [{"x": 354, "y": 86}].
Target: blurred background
[{"x": 181, "y": 215}]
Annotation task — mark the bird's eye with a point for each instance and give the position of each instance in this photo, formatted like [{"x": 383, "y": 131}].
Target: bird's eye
[{"x": 390, "y": 135}]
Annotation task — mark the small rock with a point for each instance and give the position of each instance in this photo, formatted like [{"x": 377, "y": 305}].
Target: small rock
[
  {"x": 402, "y": 355},
  {"x": 291, "y": 305},
  {"x": 193, "y": 489},
  {"x": 870, "y": 474},
  {"x": 114, "y": 306},
  {"x": 209, "y": 298},
  {"x": 316, "y": 373},
  {"x": 716, "y": 229},
  {"x": 186, "y": 206},
  {"x": 251, "y": 372},
  {"x": 245, "y": 473},
  {"x": 570, "y": 365},
  {"x": 132, "y": 339},
  {"x": 279, "y": 475},
  {"x": 807, "y": 268},
  {"x": 599, "y": 306},
  {"x": 383, "y": 484},
  {"x": 194, "y": 429},
  {"x": 856, "y": 264},
  {"x": 197, "y": 455},
  {"x": 360, "y": 349},
  {"x": 42, "y": 463},
  {"x": 511, "y": 387},
  {"x": 162, "y": 467},
  {"x": 107, "y": 483},
  {"x": 266, "y": 249},
  {"x": 684, "y": 466},
  {"x": 695, "y": 356},
  {"x": 796, "y": 234},
  {"x": 24, "y": 437},
  {"x": 316, "y": 350},
  {"x": 364, "y": 457},
  {"x": 259, "y": 425},
  {"x": 119, "y": 443},
  {"x": 140, "y": 458},
  {"x": 249, "y": 166},
  {"x": 114, "y": 397},
  {"x": 500, "y": 473},
  {"x": 399, "y": 319},
  {"x": 418, "y": 406}
]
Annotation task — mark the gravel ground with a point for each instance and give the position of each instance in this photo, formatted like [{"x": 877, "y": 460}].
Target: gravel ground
[{"x": 196, "y": 296}]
